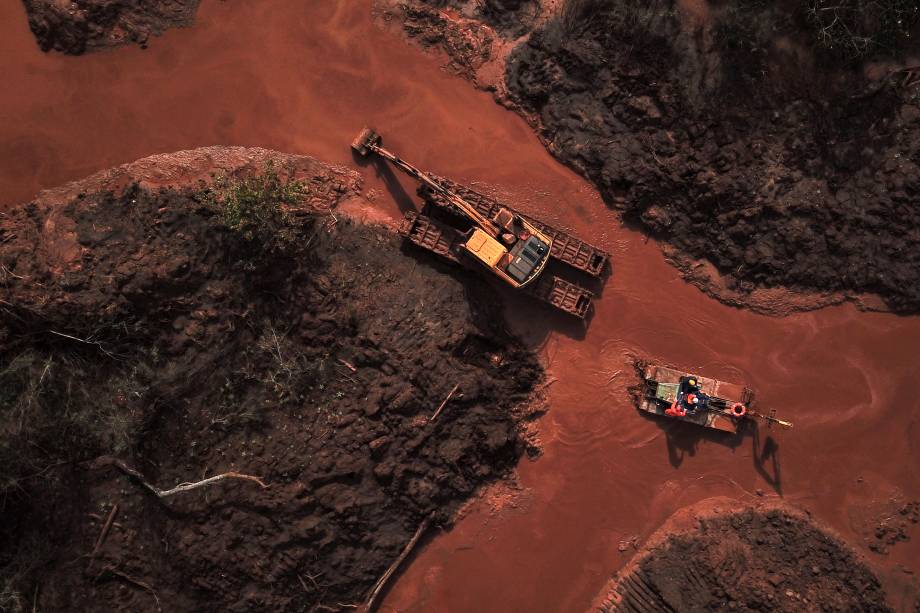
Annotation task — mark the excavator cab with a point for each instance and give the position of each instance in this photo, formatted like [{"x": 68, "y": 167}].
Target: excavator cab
[{"x": 526, "y": 257}]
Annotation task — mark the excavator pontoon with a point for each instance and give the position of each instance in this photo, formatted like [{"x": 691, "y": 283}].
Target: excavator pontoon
[{"x": 464, "y": 227}]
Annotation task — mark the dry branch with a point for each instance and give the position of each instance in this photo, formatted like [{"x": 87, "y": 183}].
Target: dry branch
[
  {"x": 443, "y": 404},
  {"x": 348, "y": 365},
  {"x": 382, "y": 581},
  {"x": 102, "y": 534},
  {"x": 86, "y": 341},
  {"x": 182, "y": 487}
]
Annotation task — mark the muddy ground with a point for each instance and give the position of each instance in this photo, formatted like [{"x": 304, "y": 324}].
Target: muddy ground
[
  {"x": 719, "y": 556},
  {"x": 762, "y": 154},
  {"x": 78, "y": 26},
  {"x": 761, "y": 147},
  {"x": 190, "y": 330},
  {"x": 877, "y": 343}
]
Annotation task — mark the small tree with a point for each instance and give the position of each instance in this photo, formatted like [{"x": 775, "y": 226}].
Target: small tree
[{"x": 253, "y": 206}]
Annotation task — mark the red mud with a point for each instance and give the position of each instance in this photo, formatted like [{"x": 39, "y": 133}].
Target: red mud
[{"x": 846, "y": 378}]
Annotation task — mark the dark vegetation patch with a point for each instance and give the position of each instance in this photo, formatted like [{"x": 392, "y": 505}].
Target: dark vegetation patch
[
  {"x": 863, "y": 28},
  {"x": 511, "y": 18},
  {"x": 192, "y": 333},
  {"x": 748, "y": 561},
  {"x": 751, "y": 140},
  {"x": 77, "y": 26}
]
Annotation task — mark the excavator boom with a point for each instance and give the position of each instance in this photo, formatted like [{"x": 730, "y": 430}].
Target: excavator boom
[{"x": 368, "y": 141}]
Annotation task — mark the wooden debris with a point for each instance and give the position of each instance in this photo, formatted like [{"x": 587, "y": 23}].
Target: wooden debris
[
  {"x": 348, "y": 365},
  {"x": 382, "y": 581},
  {"x": 182, "y": 487},
  {"x": 103, "y": 534},
  {"x": 443, "y": 404}
]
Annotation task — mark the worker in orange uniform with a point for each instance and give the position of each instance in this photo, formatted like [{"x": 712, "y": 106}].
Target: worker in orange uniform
[{"x": 690, "y": 399}]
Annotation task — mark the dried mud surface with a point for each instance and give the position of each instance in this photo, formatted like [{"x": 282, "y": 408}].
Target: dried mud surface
[
  {"x": 763, "y": 162},
  {"x": 136, "y": 324},
  {"x": 79, "y": 26},
  {"x": 718, "y": 555}
]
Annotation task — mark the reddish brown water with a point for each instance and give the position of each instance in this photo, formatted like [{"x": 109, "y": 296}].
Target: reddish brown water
[{"x": 304, "y": 77}]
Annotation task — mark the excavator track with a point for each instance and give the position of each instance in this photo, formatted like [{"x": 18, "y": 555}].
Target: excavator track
[
  {"x": 566, "y": 248},
  {"x": 432, "y": 235},
  {"x": 565, "y": 296},
  {"x": 634, "y": 594},
  {"x": 440, "y": 238}
]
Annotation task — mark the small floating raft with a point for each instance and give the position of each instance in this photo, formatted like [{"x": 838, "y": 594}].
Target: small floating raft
[{"x": 727, "y": 404}]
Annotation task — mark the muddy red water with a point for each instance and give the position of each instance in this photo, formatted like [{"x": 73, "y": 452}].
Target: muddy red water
[{"x": 304, "y": 77}]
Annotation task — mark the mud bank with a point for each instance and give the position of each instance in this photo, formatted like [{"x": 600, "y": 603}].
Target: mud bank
[
  {"x": 719, "y": 555},
  {"x": 198, "y": 328},
  {"x": 85, "y": 25},
  {"x": 761, "y": 158},
  {"x": 476, "y": 36}
]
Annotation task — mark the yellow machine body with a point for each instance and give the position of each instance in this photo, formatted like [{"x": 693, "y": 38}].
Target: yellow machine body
[{"x": 485, "y": 248}]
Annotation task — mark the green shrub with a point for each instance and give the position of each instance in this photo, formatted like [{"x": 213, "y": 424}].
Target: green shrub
[{"x": 253, "y": 206}]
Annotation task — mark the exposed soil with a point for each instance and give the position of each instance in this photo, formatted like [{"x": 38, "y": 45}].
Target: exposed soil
[
  {"x": 146, "y": 323},
  {"x": 763, "y": 159},
  {"x": 77, "y": 26},
  {"x": 719, "y": 556}
]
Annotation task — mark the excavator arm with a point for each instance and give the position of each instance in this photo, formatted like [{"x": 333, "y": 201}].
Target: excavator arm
[{"x": 369, "y": 142}]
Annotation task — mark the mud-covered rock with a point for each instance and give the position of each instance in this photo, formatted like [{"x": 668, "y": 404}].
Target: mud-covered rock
[{"x": 77, "y": 26}]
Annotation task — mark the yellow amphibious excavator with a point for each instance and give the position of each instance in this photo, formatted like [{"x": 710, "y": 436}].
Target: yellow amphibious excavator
[
  {"x": 509, "y": 246},
  {"x": 513, "y": 247}
]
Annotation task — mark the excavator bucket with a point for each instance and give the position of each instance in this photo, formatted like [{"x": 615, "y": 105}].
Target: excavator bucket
[{"x": 364, "y": 141}]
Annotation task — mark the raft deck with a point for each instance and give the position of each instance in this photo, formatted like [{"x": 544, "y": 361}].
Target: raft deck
[{"x": 661, "y": 391}]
